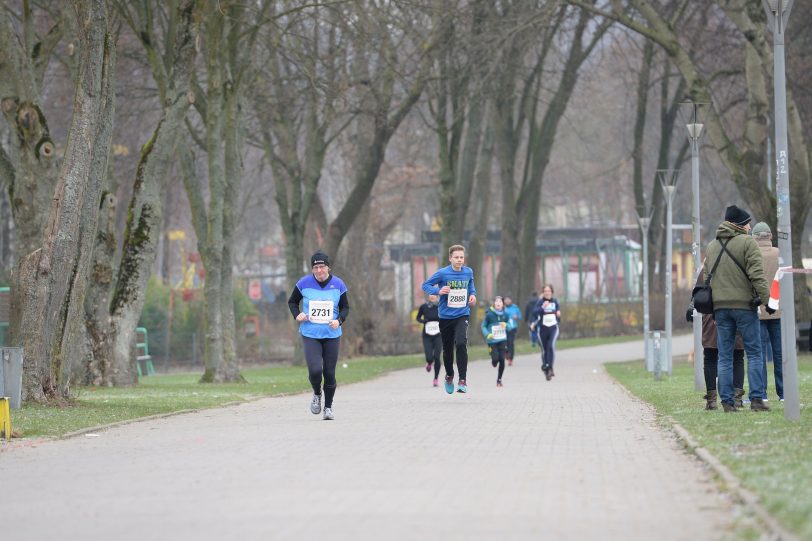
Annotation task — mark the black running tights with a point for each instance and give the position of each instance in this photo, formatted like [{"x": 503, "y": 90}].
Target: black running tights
[{"x": 321, "y": 355}]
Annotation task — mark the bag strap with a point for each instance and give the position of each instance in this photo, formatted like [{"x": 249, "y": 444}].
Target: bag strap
[
  {"x": 719, "y": 257},
  {"x": 736, "y": 261}
]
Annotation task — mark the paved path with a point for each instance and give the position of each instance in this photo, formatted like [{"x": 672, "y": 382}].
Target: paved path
[{"x": 575, "y": 458}]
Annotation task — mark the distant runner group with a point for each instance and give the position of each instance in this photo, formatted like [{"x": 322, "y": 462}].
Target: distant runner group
[
  {"x": 319, "y": 303},
  {"x": 453, "y": 285}
]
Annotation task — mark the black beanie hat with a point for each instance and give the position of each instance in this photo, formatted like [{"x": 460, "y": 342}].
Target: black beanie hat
[
  {"x": 319, "y": 258},
  {"x": 737, "y": 216}
]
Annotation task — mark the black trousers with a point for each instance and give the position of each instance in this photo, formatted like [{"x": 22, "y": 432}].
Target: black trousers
[
  {"x": 433, "y": 347},
  {"x": 498, "y": 352},
  {"x": 511, "y": 343},
  {"x": 547, "y": 338},
  {"x": 710, "y": 357},
  {"x": 455, "y": 339}
]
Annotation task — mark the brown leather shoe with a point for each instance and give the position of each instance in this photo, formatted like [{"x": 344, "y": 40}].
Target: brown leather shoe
[
  {"x": 758, "y": 404},
  {"x": 737, "y": 398},
  {"x": 729, "y": 408},
  {"x": 710, "y": 400}
]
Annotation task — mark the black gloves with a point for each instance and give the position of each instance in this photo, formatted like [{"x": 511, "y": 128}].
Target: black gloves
[
  {"x": 689, "y": 315},
  {"x": 769, "y": 310}
]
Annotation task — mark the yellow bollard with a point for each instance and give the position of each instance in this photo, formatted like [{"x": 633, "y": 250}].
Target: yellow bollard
[{"x": 5, "y": 417}]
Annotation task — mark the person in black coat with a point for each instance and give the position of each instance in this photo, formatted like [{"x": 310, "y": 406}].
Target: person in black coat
[{"x": 429, "y": 316}]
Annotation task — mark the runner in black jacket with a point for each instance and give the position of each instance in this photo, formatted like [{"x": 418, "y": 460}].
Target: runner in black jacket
[{"x": 428, "y": 315}]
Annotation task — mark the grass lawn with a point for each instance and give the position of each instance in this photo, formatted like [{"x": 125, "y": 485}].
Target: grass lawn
[
  {"x": 770, "y": 455},
  {"x": 166, "y": 393}
]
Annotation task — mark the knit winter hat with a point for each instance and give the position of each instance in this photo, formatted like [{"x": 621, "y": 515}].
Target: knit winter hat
[
  {"x": 737, "y": 216},
  {"x": 319, "y": 258},
  {"x": 762, "y": 230}
]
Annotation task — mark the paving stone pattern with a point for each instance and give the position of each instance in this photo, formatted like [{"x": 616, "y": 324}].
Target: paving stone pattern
[{"x": 574, "y": 458}]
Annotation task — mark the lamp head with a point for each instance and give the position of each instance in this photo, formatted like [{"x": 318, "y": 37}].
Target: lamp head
[{"x": 695, "y": 130}]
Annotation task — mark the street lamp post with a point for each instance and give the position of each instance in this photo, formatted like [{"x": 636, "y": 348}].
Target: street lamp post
[
  {"x": 694, "y": 134},
  {"x": 777, "y": 16},
  {"x": 668, "y": 179},
  {"x": 644, "y": 219}
]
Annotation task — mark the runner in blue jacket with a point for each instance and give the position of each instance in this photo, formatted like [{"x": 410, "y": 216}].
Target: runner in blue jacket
[
  {"x": 514, "y": 314},
  {"x": 323, "y": 298},
  {"x": 455, "y": 285},
  {"x": 494, "y": 329}
]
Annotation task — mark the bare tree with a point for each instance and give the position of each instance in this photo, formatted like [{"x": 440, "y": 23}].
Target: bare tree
[
  {"x": 118, "y": 291},
  {"x": 50, "y": 282},
  {"x": 383, "y": 50},
  {"x": 229, "y": 32}
]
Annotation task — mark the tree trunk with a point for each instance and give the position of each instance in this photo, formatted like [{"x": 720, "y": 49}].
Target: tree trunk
[
  {"x": 145, "y": 212},
  {"x": 50, "y": 283},
  {"x": 479, "y": 231},
  {"x": 97, "y": 304},
  {"x": 30, "y": 170},
  {"x": 229, "y": 370}
]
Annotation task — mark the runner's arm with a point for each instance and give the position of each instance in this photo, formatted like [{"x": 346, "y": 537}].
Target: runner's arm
[
  {"x": 293, "y": 302},
  {"x": 432, "y": 285},
  {"x": 343, "y": 308}
]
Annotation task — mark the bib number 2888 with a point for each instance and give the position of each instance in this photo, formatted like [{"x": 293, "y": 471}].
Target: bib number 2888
[{"x": 457, "y": 298}]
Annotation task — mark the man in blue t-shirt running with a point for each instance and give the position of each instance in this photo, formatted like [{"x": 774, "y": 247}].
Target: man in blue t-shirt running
[{"x": 455, "y": 285}]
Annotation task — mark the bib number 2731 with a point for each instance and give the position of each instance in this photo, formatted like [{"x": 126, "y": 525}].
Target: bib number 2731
[
  {"x": 457, "y": 298},
  {"x": 320, "y": 311}
]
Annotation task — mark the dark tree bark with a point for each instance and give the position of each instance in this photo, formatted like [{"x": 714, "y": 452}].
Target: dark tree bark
[
  {"x": 50, "y": 282},
  {"x": 112, "y": 334}
]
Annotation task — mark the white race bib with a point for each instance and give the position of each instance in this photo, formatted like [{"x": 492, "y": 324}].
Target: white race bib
[
  {"x": 432, "y": 328},
  {"x": 457, "y": 298},
  {"x": 549, "y": 320},
  {"x": 320, "y": 311},
  {"x": 498, "y": 332}
]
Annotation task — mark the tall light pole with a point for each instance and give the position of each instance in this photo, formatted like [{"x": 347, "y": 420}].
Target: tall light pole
[
  {"x": 668, "y": 179},
  {"x": 777, "y": 17},
  {"x": 694, "y": 134},
  {"x": 644, "y": 219}
]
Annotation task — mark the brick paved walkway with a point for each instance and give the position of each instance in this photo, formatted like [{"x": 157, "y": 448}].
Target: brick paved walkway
[{"x": 575, "y": 458}]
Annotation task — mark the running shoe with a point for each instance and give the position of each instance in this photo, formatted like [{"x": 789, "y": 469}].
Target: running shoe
[
  {"x": 315, "y": 404},
  {"x": 428, "y": 367},
  {"x": 449, "y": 384},
  {"x": 328, "y": 414},
  {"x": 434, "y": 383},
  {"x": 498, "y": 382},
  {"x": 462, "y": 387}
]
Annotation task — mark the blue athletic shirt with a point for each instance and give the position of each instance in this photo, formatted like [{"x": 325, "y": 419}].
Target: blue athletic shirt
[
  {"x": 462, "y": 279},
  {"x": 511, "y": 311},
  {"x": 312, "y": 291}
]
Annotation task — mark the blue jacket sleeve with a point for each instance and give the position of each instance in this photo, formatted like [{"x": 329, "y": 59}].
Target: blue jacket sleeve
[
  {"x": 471, "y": 288},
  {"x": 486, "y": 325},
  {"x": 430, "y": 285}
]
